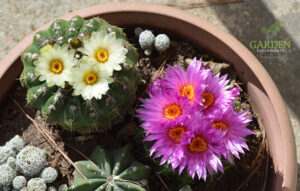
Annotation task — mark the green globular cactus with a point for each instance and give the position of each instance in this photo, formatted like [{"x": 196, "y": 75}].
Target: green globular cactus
[
  {"x": 115, "y": 171},
  {"x": 58, "y": 103}
]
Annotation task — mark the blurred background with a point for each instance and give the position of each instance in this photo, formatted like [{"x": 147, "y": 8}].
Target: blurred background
[{"x": 247, "y": 20}]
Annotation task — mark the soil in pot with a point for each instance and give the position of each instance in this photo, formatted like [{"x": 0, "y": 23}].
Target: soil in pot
[{"x": 252, "y": 172}]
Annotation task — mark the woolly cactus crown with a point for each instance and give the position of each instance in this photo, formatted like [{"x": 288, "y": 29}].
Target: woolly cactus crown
[{"x": 81, "y": 74}]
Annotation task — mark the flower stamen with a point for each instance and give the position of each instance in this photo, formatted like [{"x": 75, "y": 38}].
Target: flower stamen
[
  {"x": 198, "y": 144},
  {"x": 188, "y": 91},
  {"x": 175, "y": 133},
  {"x": 91, "y": 78},
  {"x": 208, "y": 99},
  {"x": 220, "y": 125},
  {"x": 172, "y": 111},
  {"x": 101, "y": 55},
  {"x": 57, "y": 66}
]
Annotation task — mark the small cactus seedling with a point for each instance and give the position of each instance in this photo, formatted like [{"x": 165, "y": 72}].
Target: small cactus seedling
[
  {"x": 162, "y": 42},
  {"x": 81, "y": 74},
  {"x": 116, "y": 170},
  {"x": 49, "y": 174}
]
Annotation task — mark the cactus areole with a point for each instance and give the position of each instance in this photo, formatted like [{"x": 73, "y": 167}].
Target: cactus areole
[
  {"x": 81, "y": 74},
  {"x": 111, "y": 170}
]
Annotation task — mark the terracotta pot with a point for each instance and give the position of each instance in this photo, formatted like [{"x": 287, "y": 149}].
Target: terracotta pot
[{"x": 263, "y": 93}]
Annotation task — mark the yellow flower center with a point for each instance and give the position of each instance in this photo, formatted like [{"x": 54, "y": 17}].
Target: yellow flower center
[
  {"x": 57, "y": 66},
  {"x": 198, "y": 144},
  {"x": 91, "y": 78},
  {"x": 101, "y": 55},
  {"x": 172, "y": 111},
  {"x": 219, "y": 125},
  {"x": 175, "y": 133},
  {"x": 188, "y": 91},
  {"x": 208, "y": 99}
]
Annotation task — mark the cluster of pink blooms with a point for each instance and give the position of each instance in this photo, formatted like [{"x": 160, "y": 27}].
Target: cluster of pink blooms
[{"x": 190, "y": 117}]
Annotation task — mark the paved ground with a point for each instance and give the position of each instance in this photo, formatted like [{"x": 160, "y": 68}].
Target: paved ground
[{"x": 247, "y": 21}]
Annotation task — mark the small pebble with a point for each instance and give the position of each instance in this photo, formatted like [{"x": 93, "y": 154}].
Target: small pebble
[
  {"x": 148, "y": 52},
  {"x": 138, "y": 31}
]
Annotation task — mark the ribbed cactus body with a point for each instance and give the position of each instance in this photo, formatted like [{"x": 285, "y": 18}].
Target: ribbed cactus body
[
  {"x": 116, "y": 170},
  {"x": 59, "y": 105}
]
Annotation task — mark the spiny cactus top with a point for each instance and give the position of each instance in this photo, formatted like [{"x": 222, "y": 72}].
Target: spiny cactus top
[
  {"x": 116, "y": 170},
  {"x": 81, "y": 73}
]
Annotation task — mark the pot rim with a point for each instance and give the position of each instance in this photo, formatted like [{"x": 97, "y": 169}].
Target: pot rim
[{"x": 270, "y": 89}]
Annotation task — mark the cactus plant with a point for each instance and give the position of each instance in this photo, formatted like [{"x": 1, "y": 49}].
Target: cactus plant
[
  {"x": 116, "y": 170},
  {"x": 146, "y": 40},
  {"x": 162, "y": 42},
  {"x": 63, "y": 187},
  {"x": 51, "y": 188},
  {"x": 55, "y": 96},
  {"x": 36, "y": 184},
  {"x": 7, "y": 175},
  {"x": 31, "y": 160},
  {"x": 19, "y": 182},
  {"x": 16, "y": 143},
  {"x": 5, "y": 153},
  {"x": 11, "y": 162},
  {"x": 6, "y": 188},
  {"x": 49, "y": 174}
]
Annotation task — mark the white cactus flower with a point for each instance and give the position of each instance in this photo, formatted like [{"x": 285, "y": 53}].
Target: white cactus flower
[
  {"x": 90, "y": 80},
  {"x": 104, "y": 50},
  {"x": 54, "y": 65}
]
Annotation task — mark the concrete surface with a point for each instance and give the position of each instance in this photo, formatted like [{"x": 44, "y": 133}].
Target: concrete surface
[{"x": 243, "y": 20}]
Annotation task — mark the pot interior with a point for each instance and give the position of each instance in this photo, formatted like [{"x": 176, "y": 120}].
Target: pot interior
[{"x": 211, "y": 43}]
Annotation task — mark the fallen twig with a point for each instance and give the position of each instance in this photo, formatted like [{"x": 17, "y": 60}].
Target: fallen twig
[
  {"x": 266, "y": 174},
  {"x": 256, "y": 163},
  {"x": 55, "y": 161},
  {"x": 79, "y": 152},
  {"x": 202, "y": 4},
  {"x": 261, "y": 147},
  {"x": 248, "y": 177},
  {"x": 160, "y": 69},
  {"x": 162, "y": 181},
  {"x": 48, "y": 138}
]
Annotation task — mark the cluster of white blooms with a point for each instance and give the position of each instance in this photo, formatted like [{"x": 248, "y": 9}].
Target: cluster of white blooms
[
  {"x": 19, "y": 163},
  {"x": 147, "y": 41},
  {"x": 90, "y": 75}
]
